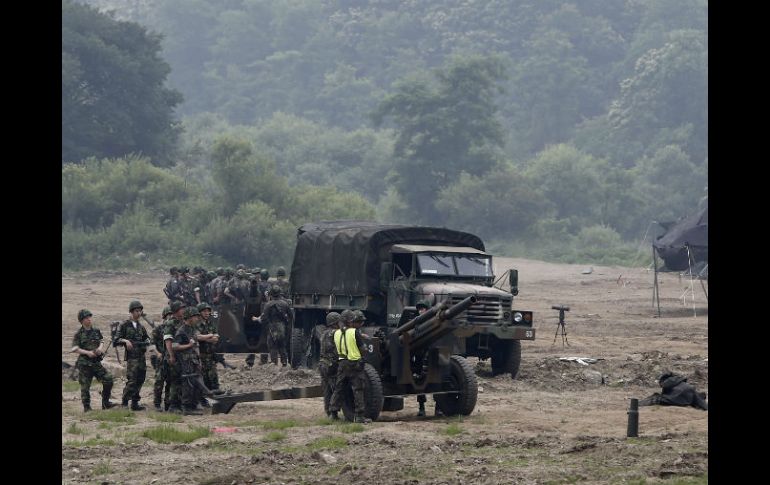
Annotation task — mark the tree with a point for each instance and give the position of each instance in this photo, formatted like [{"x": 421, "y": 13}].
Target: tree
[
  {"x": 444, "y": 128},
  {"x": 114, "y": 101}
]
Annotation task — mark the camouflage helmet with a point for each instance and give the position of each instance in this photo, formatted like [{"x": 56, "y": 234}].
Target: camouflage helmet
[
  {"x": 173, "y": 270},
  {"x": 176, "y": 305},
  {"x": 211, "y": 275},
  {"x": 83, "y": 314},
  {"x": 275, "y": 290},
  {"x": 423, "y": 303},
  {"x": 229, "y": 271},
  {"x": 332, "y": 319},
  {"x": 264, "y": 274},
  {"x": 134, "y": 305},
  {"x": 280, "y": 271},
  {"x": 190, "y": 312},
  {"x": 204, "y": 306},
  {"x": 220, "y": 271},
  {"x": 166, "y": 311},
  {"x": 358, "y": 316},
  {"x": 347, "y": 316},
  {"x": 240, "y": 266},
  {"x": 256, "y": 270}
]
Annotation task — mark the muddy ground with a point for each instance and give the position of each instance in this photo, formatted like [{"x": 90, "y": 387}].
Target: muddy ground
[{"x": 558, "y": 422}]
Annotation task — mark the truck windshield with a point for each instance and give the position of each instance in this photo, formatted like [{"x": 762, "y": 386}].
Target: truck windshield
[{"x": 454, "y": 264}]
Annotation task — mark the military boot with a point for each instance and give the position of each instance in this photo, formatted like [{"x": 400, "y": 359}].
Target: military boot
[
  {"x": 159, "y": 408},
  {"x": 333, "y": 415},
  {"x": 86, "y": 408},
  {"x": 135, "y": 406},
  {"x": 421, "y": 412},
  {"x": 106, "y": 404},
  {"x": 124, "y": 403}
]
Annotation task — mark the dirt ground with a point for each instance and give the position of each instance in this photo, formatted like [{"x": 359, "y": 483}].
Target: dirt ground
[{"x": 558, "y": 422}]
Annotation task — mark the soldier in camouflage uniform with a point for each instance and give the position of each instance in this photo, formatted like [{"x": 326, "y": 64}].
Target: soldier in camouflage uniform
[
  {"x": 88, "y": 343},
  {"x": 214, "y": 285},
  {"x": 169, "y": 358},
  {"x": 327, "y": 365},
  {"x": 172, "y": 289},
  {"x": 133, "y": 336},
  {"x": 208, "y": 338},
  {"x": 187, "y": 285},
  {"x": 281, "y": 281},
  {"x": 224, "y": 284},
  {"x": 275, "y": 318},
  {"x": 185, "y": 348},
  {"x": 160, "y": 371},
  {"x": 348, "y": 341},
  {"x": 264, "y": 284}
]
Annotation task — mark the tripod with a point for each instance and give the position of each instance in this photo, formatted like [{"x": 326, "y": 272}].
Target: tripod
[{"x": 561, "y": 325}]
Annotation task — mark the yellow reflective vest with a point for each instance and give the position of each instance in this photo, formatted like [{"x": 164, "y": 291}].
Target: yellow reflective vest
[{"x": 346, "y": 346}]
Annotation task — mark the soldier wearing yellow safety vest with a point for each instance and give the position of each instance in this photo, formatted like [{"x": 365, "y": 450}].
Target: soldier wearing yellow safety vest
[{"x": 348, "y": 341}]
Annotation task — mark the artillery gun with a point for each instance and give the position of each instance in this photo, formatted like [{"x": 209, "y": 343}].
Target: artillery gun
[{"x": 414, "y": 358}]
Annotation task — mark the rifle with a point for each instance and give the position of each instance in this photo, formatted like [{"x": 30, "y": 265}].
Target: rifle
[
  {"x": 113, "y": 330},
  {"x": 220, "y": 359}
]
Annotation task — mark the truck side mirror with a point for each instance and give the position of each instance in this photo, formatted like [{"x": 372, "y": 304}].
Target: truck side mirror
[
  {"x": 513, "y": 280},
  {"x": 386, "y": 272}
]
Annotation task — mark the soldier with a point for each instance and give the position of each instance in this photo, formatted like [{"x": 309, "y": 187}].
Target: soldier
[
  {"x": 224, "y": 284},
  {"x": 185, "y": 348},
  {"x": 172, "y": 289},
  {"x": 89, "y": 344},
  {"x": 327, "y": 365},
  {"x": 275, "y": 318},
  {"x": 264, "y": 284},
  {"x": 160, "y": 371},
  {"x": 348, "y": 341},
  {"x": 281, "y": 281},
  {"x": 171, "y": 365},
  {"x": 208, "y": 338},
  {"x": 187, "y": 285},
  {"x": 133, "y": 336},
  {"x": 214, "y": 285}
]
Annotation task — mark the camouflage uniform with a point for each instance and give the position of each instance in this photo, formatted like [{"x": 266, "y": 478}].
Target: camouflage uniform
[
  {"x": 88, "y": 368},
  {"x": 351, "y": 370},
  {"x": 172, "y": 370},
  {"x": 275, "y": 317},
  {"x": 172, "y": 289},
  {"x": 136, "y": 363},
  {"x": 188, "y": 362},
  {"x": 207, "y": 351},
  {"x": 328, "y": 361},
  {"x": 161, "y": 378}
]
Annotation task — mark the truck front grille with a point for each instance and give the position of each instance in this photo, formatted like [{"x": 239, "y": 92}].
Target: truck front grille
[{"x": 487, "y": 309}]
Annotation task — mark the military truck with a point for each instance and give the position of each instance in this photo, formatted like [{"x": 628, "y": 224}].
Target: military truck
[{"x": 384, "y": 270}]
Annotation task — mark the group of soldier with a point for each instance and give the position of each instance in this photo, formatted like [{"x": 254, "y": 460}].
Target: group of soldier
[
  {"x": 186, "y": 373},
  {"x": 186, "y": 340}
]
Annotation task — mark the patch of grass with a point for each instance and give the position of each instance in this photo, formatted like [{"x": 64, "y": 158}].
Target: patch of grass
[
  {"x": 701, "y": 480},
  {"x": 166, "y": 417},
  {"x": 328, "y": 443},
  {"x": 414, "y": 472},
  {"x": 70, "y": 386},
  {"x": 325, "y": 422},
  {"x": 452, "y": 430},
  {"x": 102, "y": 468},
  {"x": 112, "y": 415},
  {"x": 350, "y": 428},
  {"x": 169, "y": 434},
  {"x": 274, "y": 436},
  {"x": 75, "y": 429},
  {"x": 90, "y": 442},
  {"x": 284, "y": 424}
]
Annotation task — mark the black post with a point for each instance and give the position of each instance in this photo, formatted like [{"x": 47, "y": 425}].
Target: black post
[
  {"x": 656, "y": 290},
  {"x": 633, "y": 419}
]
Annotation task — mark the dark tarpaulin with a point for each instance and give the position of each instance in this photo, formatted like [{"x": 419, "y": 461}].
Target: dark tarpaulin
[
  {"x": 343, "y": 257},
  {"x": 692, "y": 232}
]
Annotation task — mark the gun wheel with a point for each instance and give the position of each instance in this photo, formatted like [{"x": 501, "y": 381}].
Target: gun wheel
[{"x": 463, "y": 379}]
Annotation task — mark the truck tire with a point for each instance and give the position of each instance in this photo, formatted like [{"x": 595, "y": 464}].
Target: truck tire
[
  {"x": 506, "y": 358},
  {"x": 373, "y": 399},
  {"x": 463, "y": 379},
  {"x": 297, "y": 347}
]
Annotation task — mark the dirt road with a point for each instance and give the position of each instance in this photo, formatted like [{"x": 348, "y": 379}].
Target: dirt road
[{"x": 558, "y": 422}]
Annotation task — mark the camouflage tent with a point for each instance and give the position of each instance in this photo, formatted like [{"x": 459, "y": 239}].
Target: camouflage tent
[{"x": 345, "y": 256}]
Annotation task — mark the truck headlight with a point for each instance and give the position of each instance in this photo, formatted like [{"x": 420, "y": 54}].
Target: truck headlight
[{"x": 517, "y": 317}]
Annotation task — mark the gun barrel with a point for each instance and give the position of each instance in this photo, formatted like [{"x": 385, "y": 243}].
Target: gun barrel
[
  {"x": 427, "y": 315},
  {"x": 436, "y": 327}
]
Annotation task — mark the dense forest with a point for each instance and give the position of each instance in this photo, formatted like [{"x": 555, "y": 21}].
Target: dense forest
[{"x": 208, "y": 130}]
